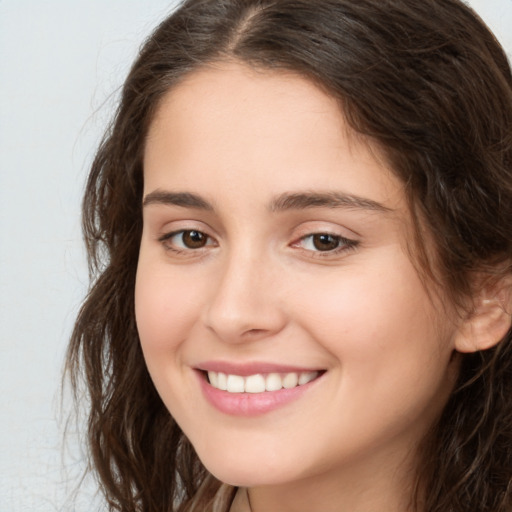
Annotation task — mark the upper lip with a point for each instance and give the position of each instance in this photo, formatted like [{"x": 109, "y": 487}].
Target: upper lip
[{"x": 251, "y": 368}]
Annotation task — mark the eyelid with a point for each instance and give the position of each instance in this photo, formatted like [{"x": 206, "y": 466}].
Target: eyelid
[
  {"x": 311, "y": 229},
  {"x": 164, "y": 230},
  {"x": 171, "y": 234},
  {"x": 177, "y": 249},
  {"x": 340, "y": 238}
]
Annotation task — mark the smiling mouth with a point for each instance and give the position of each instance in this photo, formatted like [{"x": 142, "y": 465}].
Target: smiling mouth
[{"x": 259, "y": 383}]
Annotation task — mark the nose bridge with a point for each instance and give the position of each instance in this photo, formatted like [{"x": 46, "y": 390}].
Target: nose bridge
[{"x": 244, "y": 301}]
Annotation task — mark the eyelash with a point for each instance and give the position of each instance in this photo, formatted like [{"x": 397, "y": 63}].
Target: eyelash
[
  {"x": 342, "y": 244},
  {"x": 182, "y": 250}
]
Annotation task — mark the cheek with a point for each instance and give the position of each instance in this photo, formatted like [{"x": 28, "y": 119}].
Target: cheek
[
  {"x": 380, "y": 320},
  {"x": 151, "y": 308},
  {"x": 164, "y": 317},
  {"x": 388, "y": 347},
  {"x": 165, "y": 308}
]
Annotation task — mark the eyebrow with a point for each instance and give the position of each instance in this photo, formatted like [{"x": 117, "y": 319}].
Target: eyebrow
[
  {"x": 301, "y": 201},
  {"x": 284, "y": 202},
  {"x": 185, "y": 199}
]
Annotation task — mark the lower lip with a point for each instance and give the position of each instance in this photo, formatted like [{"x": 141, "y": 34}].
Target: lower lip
[{"x": 251, "y": 404}]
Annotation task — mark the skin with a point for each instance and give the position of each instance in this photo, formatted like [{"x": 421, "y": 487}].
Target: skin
[{"x": 259, "y": 290}]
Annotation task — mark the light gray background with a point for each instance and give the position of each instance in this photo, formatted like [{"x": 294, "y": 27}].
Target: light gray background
[{"x": 61, "y": 64}]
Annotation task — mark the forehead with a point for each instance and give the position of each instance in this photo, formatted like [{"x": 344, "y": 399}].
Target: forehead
[
  {"x": 232, "y": 102},
  {"x": 245, "y": 124}
]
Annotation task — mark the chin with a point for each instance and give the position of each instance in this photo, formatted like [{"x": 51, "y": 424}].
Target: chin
[
  {"x": 247, "y": 478},
  {"x": 241, "y": 472}
]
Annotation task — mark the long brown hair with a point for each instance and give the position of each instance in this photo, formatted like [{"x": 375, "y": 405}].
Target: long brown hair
[{"x": 428, "y": 83}]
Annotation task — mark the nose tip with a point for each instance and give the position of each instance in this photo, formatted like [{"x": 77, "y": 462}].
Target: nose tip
[{"x": 244, "y": 305}]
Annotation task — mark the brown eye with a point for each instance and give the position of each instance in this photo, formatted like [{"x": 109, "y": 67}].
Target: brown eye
[
  {"x": 325, "y": 242},
  {"x": 185, "y": 240},
  {"x": 194, "y": 239}
]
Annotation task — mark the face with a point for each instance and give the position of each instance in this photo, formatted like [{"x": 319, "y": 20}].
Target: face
[{"x": 281, "y": 318}]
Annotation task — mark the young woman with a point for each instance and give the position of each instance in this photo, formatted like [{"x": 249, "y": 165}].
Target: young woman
[{"x": 299, "y": 227}]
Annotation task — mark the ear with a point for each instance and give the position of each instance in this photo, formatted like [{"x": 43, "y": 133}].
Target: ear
[{"x": 490, "y": 319}]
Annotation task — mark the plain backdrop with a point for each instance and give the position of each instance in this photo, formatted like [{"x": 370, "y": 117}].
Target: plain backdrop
[{"x": 61, "y": 65}]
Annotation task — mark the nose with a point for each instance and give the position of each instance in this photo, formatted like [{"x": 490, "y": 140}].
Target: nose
[{"x": 245, "y": 304}]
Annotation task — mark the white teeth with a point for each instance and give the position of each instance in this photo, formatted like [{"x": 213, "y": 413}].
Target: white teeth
[
  {"x": 290, "y": 380},
  {"x": 213, "y": 377},
  {"x": 259, "y": 383},
  {"x": 236, "y": 384},
  {"x": 255, "y": 384},
  {"x": 222, "y": 381},
  {"x": 273, "y": 382},
  {"x": 306, "y": 377}
]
